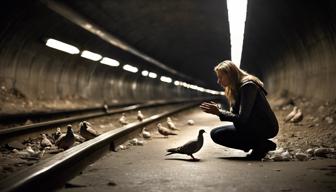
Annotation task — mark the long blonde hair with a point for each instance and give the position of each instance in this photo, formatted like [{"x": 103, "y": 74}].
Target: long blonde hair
[{"x": 236, "y": 78}]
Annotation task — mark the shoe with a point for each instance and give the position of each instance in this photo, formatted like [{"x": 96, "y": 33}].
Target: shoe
[{"x": 261, "y": 149}]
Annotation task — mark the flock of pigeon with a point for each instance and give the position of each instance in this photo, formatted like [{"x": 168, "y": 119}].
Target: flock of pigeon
[
  {"x": 189, "y": 148},
  {"x": 59, "y": 141}
]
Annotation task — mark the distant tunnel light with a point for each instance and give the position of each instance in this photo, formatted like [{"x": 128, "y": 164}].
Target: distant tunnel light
[
  {"x": 130, "y": 68},
  {"x": 166, "y": 79},
  {"x": 110, "y": 62},
  {"x": 152, "y": 75},
  {"x": 144, "y": 73},
  {"x": 237, "y": 16},
  {"x": 53, "y": 43},
  {"x": 177, "y": 83},
  {"x": 90, "y": 55}
]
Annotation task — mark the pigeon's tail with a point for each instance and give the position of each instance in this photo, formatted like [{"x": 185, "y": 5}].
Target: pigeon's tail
[
  {"x": 173, "y": 150},
  {"x": 169, "y": 153}
]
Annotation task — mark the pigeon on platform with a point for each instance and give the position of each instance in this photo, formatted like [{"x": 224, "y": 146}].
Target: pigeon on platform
[
  {"x": 297, "y": 117},
  {"x": 190, "y": 147},
  {"x": 190, "y": 122},
  {"x": 123, "y": 120},
  {"x": 165, "y": 131},
  {"x": 45, "y": 142},
  {"x": 66, "y": 140},
  {"x": 291, "y": 114},
  {"x": 145, "y": 134},
  {"x": 87, "y": 131},
  {"x": 140, "y": 116},
  {"x": 171, "y": 124}
]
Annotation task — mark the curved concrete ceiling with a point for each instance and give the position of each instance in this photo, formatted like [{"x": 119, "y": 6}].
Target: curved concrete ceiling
[{"x": 188, "y": 36}]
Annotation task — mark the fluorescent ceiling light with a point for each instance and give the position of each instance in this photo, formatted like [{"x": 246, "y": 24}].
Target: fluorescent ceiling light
[
  {"x": 130, "y": 68},
  {"x": 53, "y": 43},
  {"x": 152, "y": 75},
  {"x": 90, "y": 55},
  {"x": 110, "y": 62},
  {"x": 166, "y": 79},
  {"x": 144, "y": 73},
  {"x": 237, "y": 16}
]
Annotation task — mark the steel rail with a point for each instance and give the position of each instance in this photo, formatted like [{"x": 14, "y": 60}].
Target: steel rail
[
  {"x": 8, "y": 117},
  {"x": 19, "y": 130}
]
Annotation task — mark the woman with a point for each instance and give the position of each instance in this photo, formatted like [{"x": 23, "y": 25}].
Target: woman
[{"x": 253, "y": 120}]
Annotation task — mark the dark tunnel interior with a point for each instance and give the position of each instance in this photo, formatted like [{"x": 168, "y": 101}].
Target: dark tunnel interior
[{"x": 159, "y": 57}]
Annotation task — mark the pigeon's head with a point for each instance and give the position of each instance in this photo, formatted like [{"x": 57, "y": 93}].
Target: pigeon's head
[
  {"x": 69, "y": 128},
  {"x": 139, "y": 112},
  {"x": 201, "y": 131},
  {"x": 159, "y": 125},
  {"x": 168, "y": 119}
]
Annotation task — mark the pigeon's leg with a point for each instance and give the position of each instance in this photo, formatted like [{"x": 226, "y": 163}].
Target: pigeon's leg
[{"x": 192, "y": 156}]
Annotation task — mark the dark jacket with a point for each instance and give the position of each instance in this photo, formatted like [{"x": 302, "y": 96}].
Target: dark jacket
[{"x": 251, "y": 112}]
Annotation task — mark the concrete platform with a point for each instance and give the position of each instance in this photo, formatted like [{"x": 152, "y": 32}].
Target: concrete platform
[{"x": 146, "y": 168}]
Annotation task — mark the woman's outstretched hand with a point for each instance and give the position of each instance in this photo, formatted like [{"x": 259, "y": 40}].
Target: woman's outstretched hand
[{"x": 211, "y": 107}]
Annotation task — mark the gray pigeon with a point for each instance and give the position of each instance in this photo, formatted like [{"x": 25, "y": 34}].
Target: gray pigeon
[
  {"x": 165, "y": 131},
  {"x": 87, "y": 131},
  {"x": 190, "y": 147},
  {"x": 66, "y": 141}
]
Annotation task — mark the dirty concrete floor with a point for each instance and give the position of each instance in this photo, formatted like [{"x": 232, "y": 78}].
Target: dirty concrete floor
[{"x": 146, "y": 168}]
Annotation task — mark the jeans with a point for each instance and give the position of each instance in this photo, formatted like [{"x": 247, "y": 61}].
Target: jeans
[{"x": 230, "y": 136}]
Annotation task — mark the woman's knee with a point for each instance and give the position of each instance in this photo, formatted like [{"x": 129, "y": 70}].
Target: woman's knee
[{"x": 220, "y": 134}]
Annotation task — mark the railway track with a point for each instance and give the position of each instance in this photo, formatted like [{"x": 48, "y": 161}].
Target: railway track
[{"x": 49, "y": 174}]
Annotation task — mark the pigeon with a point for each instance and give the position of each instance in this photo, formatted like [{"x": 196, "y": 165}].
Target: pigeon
[
  {"x": 29, "y": 153},
  {"x": 123, "y": 120},
  {"x": 145, "y": 134},
  {"x": 165, "y": 131},
  {"x": 190, "y": 147},
  {"x": 45, "y": 142},
  {"x": 171, "y": 124},
  {"x": 106, "y": 108},
  {"x": 140, "y": 116},
  {"x": 87, "y": 131},
  {"x": 57, "y": 134},
  {"x": 297, "y": 117},
  {"x": 65, "y": 141},
  {"x": 190, "y": 122},
  {"x": 291, "y": 114},
  {"x": 79, "y": 138}
]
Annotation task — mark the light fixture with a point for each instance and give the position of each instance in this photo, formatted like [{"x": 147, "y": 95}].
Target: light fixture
[
  {"x": 53, "y": 43},
  {"x": 110, "y": 62},
  {"x": 144, "y": 73},
  {"x": 166, "y": 79},
  {"x": 237, "y": 16},
  {"x": 152, "y": 75},
  {"x": 177, "y": 83},
  {"x": 90, "y": 55},
  {"x": 130, "y": 68}
]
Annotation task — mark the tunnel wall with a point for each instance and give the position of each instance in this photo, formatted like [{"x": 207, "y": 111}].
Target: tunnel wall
[
  {"x": 291, "y": 46},
  {"x": 42, "y": 73}
]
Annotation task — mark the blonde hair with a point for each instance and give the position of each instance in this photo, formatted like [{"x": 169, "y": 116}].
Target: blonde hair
[{"x": 236, "y": 78}]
